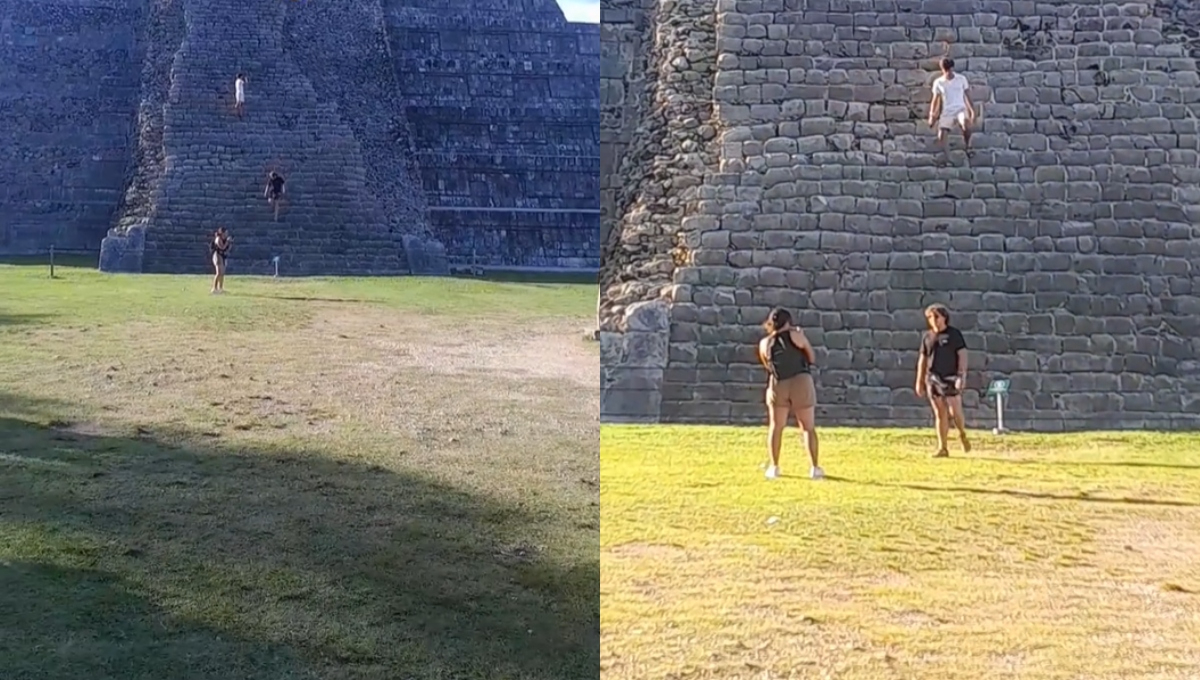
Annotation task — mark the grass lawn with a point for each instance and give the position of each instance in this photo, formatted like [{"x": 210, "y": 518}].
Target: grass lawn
[
  {"x": 343, "y": 479},
  {"x": 1033, "y": 557}
]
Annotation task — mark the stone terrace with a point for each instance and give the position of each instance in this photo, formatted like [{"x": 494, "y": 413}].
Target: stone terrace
[
  {"x": 502, "y": 102},
  {"x": 1065, "y": 246}
]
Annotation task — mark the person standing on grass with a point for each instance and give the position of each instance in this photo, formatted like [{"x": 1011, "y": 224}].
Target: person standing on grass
[
  {"x": 951, "y": 105},
  {"x": 942, "y": 375},
  {"x": 788, "y": 357},
  {"x": 219, "y": 246}
]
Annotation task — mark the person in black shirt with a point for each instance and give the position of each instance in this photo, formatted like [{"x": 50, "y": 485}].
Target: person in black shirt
[
  {"x": 942, "y": 375},
  {"x": 274, "y": 191},
  {"x": 219, "y": 246},
  {"x": 788, "y": 357}
]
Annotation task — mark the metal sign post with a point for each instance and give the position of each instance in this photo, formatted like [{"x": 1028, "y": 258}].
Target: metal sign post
[{"x": 999, "y": 389}]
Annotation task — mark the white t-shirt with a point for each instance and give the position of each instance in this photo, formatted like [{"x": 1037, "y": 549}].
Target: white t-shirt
[
  {"x": 953, "y": 91},
  {"x": 239, "y": 87}
]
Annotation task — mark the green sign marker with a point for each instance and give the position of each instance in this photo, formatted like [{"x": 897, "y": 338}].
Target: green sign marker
[{"x": 998, "y": 387}]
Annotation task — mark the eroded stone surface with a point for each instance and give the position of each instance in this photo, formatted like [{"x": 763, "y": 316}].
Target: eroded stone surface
[
  {"x": 1065, "y": 245},
  {"x": 68, "y": 96},
  {"x": 411, "y": 132}
]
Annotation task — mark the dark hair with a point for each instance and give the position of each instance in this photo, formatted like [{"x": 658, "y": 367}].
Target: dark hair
[
  {"x": 777, "y": 320},
  {"x": 241, "y": 75},
  {"x": 947, "y": 64},
  {"x": 940, "y": 310}
]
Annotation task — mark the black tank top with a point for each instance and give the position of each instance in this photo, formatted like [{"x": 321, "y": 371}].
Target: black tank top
[{"x": 785, "y": 358}]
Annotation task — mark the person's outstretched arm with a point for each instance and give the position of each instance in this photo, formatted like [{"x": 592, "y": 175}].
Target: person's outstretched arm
[{"x": 922, "y": 370}]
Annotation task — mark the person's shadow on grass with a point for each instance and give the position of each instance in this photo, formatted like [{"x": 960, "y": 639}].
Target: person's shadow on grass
[
  {"x": 1015, "y": 493},
  {"x": 129, "y": 555}
]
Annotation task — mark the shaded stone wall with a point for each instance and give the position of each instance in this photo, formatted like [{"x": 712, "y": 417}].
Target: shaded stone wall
[
  {"x": 633, "y": 359},
  {"x": 342, "y": 46},
  {"x": 68, "y": 101},
  {"x": 502, "y": 103},
  {"x": 624, "y": 50},
  {"x": 671, "y": 143},
  {"x": 1065, "y": 247},
  {"x": 477, "y": 122}
]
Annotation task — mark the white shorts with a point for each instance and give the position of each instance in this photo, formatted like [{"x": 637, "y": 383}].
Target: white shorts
[{"x": 949, "y": 118}]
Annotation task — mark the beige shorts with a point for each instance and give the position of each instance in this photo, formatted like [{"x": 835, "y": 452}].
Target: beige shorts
[
  {"x": 794, "y": 393},
  {"x": 949, "y": 118}
]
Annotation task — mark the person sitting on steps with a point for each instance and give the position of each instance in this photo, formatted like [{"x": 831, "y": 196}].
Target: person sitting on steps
[
  {"x": 274, "y": 191},
  {"x": 239, "y": 95},
  {"x": 951, "y": 105},
  {"x": 220, "y": 245}
]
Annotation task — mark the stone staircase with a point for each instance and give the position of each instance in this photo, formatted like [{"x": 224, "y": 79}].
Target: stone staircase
[{"x": 215, "y": 164}]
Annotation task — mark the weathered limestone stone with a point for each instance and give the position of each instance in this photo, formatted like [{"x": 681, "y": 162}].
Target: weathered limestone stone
[
  {"x": 69, "y": 83},
  {"x": 632, "y": 363},
  {"x": 411, "y": 132},
  {"x": 776, "y": 153}
]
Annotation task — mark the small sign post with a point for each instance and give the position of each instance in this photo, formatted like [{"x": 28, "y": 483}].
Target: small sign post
[{"x": 999, "y": 389}]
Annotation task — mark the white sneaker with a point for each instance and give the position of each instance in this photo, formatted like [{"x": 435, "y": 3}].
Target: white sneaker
[
  {"x": 817, "y": 473},
  {"x": 773, "y": 472}
]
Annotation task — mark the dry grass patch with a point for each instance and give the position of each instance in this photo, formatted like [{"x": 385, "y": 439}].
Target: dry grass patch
[
  {"x": 1034, "y": 557},
  {"x": 301, "y": 479}
]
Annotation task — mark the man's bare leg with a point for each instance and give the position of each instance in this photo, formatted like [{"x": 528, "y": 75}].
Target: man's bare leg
[
  {"x": 943, "y": 143},
  {"x": 941, "y": 417},
  {"x": 956, "y": 412}
]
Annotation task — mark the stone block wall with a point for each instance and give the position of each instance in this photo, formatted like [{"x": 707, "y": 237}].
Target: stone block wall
[
  {"x": 623, "y": 72},
  {"x": 501, "y": 100},
  {"x": 1065, "y": 246},
  {"x": 477, "y": 123},
  {"x": 660, "y": 58},
  {"x": 342, "y": 46},
  {"x": 68, "y": 97},
  {"x": 633, "y": 358}
]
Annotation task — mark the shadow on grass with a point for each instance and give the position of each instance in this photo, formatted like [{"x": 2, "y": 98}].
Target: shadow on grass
[
  {"x": 268, "y": 564},
  {"x": 1012, "y": 493},
  {"x": 60, "y": 622},
  {"x": 535, "y": 277},
  {"x": 1079, "y": 463},
  {"x": 299, "y": 298},
  {"x": 9, "y": 319},
  {"x": 61, "y": 259}
]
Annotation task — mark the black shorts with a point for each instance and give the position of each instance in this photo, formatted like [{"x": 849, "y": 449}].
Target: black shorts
[
  {"x": 274, "y": 195},
  {"x": 940, "y": 387}
]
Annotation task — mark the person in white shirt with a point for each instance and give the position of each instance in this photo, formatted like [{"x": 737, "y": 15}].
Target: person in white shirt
[
  {"x": 239, "y": 94},
  {"x": 951, "y": 104}
]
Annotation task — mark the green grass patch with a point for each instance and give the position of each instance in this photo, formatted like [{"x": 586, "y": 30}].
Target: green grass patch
[
  {"x": 1028, "y": 553},
  {"x": 305, "y": 478}
]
